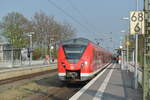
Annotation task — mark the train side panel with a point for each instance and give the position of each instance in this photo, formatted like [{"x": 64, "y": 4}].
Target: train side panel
[{"x": 87, "y": 63}]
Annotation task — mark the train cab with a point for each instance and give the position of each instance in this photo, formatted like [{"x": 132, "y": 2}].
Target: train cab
[{"x": 76, "y": 60}]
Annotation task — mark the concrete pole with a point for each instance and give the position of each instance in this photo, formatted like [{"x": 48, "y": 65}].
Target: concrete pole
[
  {"x": 122, "y": 59},
  {"x": 12, "y": 53},
  {"x": 127, "y": 53},
  {"x": 133, "y": 59},
  {"x": 30, "y": 59},
  {"x": 12, "y": 56},
  {"x": 50, "y": 56},
  {"x": 136, "y": 54},
  {"x": 30, "y": 49},
  {"x": 136, "y": 62}
]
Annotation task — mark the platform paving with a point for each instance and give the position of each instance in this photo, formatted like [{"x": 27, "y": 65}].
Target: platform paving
[{"x": 112, "y": 84}]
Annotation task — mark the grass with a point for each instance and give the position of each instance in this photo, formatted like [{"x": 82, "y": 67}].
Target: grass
[{"x": 23, "y": 91}]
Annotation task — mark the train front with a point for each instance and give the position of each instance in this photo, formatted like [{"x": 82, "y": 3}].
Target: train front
[{"x": 73, "y": 60}]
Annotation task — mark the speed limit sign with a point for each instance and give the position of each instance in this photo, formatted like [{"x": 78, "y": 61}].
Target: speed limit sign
[{"x": 137, "y": 22}]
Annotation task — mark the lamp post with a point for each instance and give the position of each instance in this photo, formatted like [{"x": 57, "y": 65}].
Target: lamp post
[
  {"x": 127, "y": 44},
  {"x": 12, "y": 51},
  {"x": 51, "y": 48},
  {"x": 30, "y": 50},
  {"x": 122, "y": 63},
  {"x": 122, "y": 51},
  {"x": 127, "y": 49}
]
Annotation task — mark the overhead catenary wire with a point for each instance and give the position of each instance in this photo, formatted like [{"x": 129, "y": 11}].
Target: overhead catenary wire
[
  {"x": 86, "y": 21},
  {"x": 81, "y": 15},
  {"x": 70, "y": 16}
]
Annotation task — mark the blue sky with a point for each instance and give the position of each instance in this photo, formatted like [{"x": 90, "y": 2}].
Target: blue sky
[{"x": 104, "y": 16}]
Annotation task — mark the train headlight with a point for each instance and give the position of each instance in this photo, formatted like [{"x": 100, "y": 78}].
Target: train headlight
[{"x": 85, "y": 62}]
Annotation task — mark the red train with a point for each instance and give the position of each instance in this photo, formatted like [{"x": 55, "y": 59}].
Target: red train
[{"x": 80, "y": 59}]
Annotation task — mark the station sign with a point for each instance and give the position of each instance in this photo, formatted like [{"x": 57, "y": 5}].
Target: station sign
[{"x": 137, "y": 22}]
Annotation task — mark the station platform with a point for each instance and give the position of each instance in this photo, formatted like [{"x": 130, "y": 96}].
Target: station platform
[
  {"x": 25, "y": 70},
  {"x": 111, "y": 83}
]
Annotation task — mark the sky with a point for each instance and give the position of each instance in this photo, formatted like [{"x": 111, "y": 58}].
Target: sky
[{"x": 94, "y": 19}]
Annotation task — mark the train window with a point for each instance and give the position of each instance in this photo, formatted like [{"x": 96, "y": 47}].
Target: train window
[{"x": 74, "y": 52}]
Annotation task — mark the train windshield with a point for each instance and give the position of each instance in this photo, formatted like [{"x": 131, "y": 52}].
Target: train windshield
[{"x": 74, "y": 52}]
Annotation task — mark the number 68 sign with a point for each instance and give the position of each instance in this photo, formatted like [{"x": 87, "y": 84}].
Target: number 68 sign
[{"x": 137, "y": 22}]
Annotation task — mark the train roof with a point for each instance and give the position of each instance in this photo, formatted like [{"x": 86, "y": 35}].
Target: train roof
[
  {"x": 76, "y": 41},
  {"x": 80, "y": 41}
]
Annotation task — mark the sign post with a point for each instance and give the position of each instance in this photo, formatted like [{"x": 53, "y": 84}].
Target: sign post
[{"x": 136, "y": 27}]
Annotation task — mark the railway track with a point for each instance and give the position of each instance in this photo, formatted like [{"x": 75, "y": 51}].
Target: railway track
[
  {"x": 42, "y": 85},
  {"x": 29, "y": 76},
  {"x": 56, "y": 90}
]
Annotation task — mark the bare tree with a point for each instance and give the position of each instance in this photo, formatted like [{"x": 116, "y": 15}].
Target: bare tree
[
  {"x": 47, "y": 29},
  {"x": 67, "y": 32},
  {"x": 42, "y": 24},
  {"x": 13, "y": 26}
]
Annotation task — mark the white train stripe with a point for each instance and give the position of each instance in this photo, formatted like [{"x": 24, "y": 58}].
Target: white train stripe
[
  {"x": 79, "y": 93},
  {"x": 61, "y": 74},
  {"x": 91, "y": 74},
  {"x": 84, "y": 74}
]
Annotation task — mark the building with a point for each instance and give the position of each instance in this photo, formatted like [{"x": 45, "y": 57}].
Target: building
[{"x": 5, "y": 49}]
